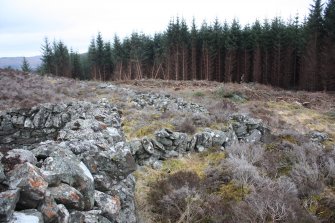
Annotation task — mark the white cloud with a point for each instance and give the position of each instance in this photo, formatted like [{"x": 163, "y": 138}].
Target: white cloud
[{"x": 24, "y": 23}]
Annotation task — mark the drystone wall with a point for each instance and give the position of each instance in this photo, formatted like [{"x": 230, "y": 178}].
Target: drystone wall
[
  {"x": 65, "y": 163},
  {"x": 71, "y": 163}
]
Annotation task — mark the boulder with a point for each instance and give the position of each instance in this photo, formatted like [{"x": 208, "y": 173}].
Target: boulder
[
  {"x": 63, "y": 214},
  {"x": 2, "y": 173},
  {"x": 49, "y": 209},
  {"x": 87, "y": 217},
  {"x": 148, "y": 146},
  {"x": 254, "y": 136},
  {"x": 109, "y": 205},
  {"x": 70, "y": 171},
  {"x": 17, "y": 156},
  {"x": 115, "y": 163},
  {"x": 316, "y": 136},
  {"x": 33, "y": 186},
  {"x": 8, "y": 200},
  {"x": 68, "y": 196},
  {"x": 29, "y": 215},
  {"x": 125, "y": 190}
]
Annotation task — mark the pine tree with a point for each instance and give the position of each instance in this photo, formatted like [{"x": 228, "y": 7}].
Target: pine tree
[
  {"x": 47, "y": 57},
  {"x": 256, "y": 60},
  {"x": 118, "y": 55},
  {"x": 25, "y": 67},
  {"x": 329, "y": 47},
  {"x": 92, "y": 58},
  {"x": 61, "y": 61},
  {"x": 194, "y": 46},
  {"x": 108, "y": 61},
  {"x": 100, "y": 56},
  {"x": 76, "y": 71},
  {"x": 312, "y": 71}
]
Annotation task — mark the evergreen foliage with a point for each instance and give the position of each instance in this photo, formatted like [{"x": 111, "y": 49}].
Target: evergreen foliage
[
  {"x": 284, "y": 54},
  {"x": 25, "y": 67}
]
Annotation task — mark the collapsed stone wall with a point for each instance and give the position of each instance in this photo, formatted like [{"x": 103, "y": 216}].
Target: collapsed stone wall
[
  {"x": 65, "y": 163},
  {"x": 168, "y": 144},
  {"x": 70, "y": 162}
]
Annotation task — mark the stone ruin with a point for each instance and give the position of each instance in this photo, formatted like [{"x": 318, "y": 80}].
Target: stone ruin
[{"x": 71, "y": 162}]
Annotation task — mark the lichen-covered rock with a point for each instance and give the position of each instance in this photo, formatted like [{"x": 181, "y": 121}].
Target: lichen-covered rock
[
  {"x": 8, "y": 200},
  {"x": 254, "y": 136},
  {"x": 71, "y": 171},
  {"x": 49, "y": 209},
  {"x": 109, "y": 205},
  {"x": 204, "y": 140},
  {"x": 33, "y": 186},
  {"x": 18, "y": 156},
  {"x": 163, "y": 102},
  {"x": 87, "y": 217},
  {"x": 28, "y": 215},
  {"x": 116, "y": 163},
  {"x": 2, "y": 172},
  {"x": 163, "y": 136},
  {"x": 125, "y": 190},
  {"x": 148, "y": 146},
  {"x": 68, "y": 196},
  {"x": 63, "y": 214},
  {"x": 318, "y": 136}
]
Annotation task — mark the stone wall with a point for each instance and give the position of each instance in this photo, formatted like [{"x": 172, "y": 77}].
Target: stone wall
[
  {"x": 65, "y": 163},
  {"x": 168, "y": 144},
  {"x": 70, "y": 162}
]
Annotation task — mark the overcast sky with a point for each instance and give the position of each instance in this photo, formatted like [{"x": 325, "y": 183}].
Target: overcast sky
[{"x": 25, "y": 23}]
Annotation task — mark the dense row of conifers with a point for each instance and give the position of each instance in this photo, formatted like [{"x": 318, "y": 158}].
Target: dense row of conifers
[{"x": 285, "y": 54}]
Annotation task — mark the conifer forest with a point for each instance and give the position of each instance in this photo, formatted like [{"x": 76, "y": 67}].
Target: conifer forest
[{"x": 288, "y": 54}]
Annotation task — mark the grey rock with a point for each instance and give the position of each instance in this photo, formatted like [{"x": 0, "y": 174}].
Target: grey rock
[
  {"x": 63, "y": 214},
  {"x": 87, "y": 217},
  {"x": 163, "y": 137},
  {"x": 240, "y": 129},
  {"x": 6, "y": 124},
  {"x": 28, "y": 123},
  {"x": 29, "y": 179},
  {"x": 125, "y": 191},
  {"x": 148, "y": 146},
  {"x": 157, "y": 145},
  {"x": 8, "y": 200},
  {"x": 200, "y": 148},
  {"x": 192, "y": 143},
  {"x": 204, "y": 139},
  {"x": 40, "y": 118},
  {"x": 81, "y": 146},
  {"x": 70, "y": 170},
  {"x": 170, "y": 154},
  {"x": 157, "y": 164},
  {"x": 2, "y": 172},
  {"x": 20, "y": 156},
  {"x": 135, "y": 146},
  {"x": 109, "y": 205},
  {"x": 255, "y": 136},
  {"x": 49, "y": 209},
  {"x": 28, "y": 215},
  {"x": 318, "y": 136},
  {"x": 18, "y": 120},
  {"x": 102, "y": 182},
  {"x": 231, "y": 138},
  {"x": 114, "y": 164},
  {"x": 114, "y": 133},
  {"x": 181, "y": 142},
  {"x": 219, "y": 138},
  {"x": 68, "y": 196},
  {"x": 252, "y": 123}
]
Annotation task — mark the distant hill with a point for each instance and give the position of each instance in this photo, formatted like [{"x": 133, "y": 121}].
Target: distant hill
[{"x": 16, "y": 62}]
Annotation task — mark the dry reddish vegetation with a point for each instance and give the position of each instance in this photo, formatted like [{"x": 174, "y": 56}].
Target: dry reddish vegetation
[{"x": 240, "y": 181}]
